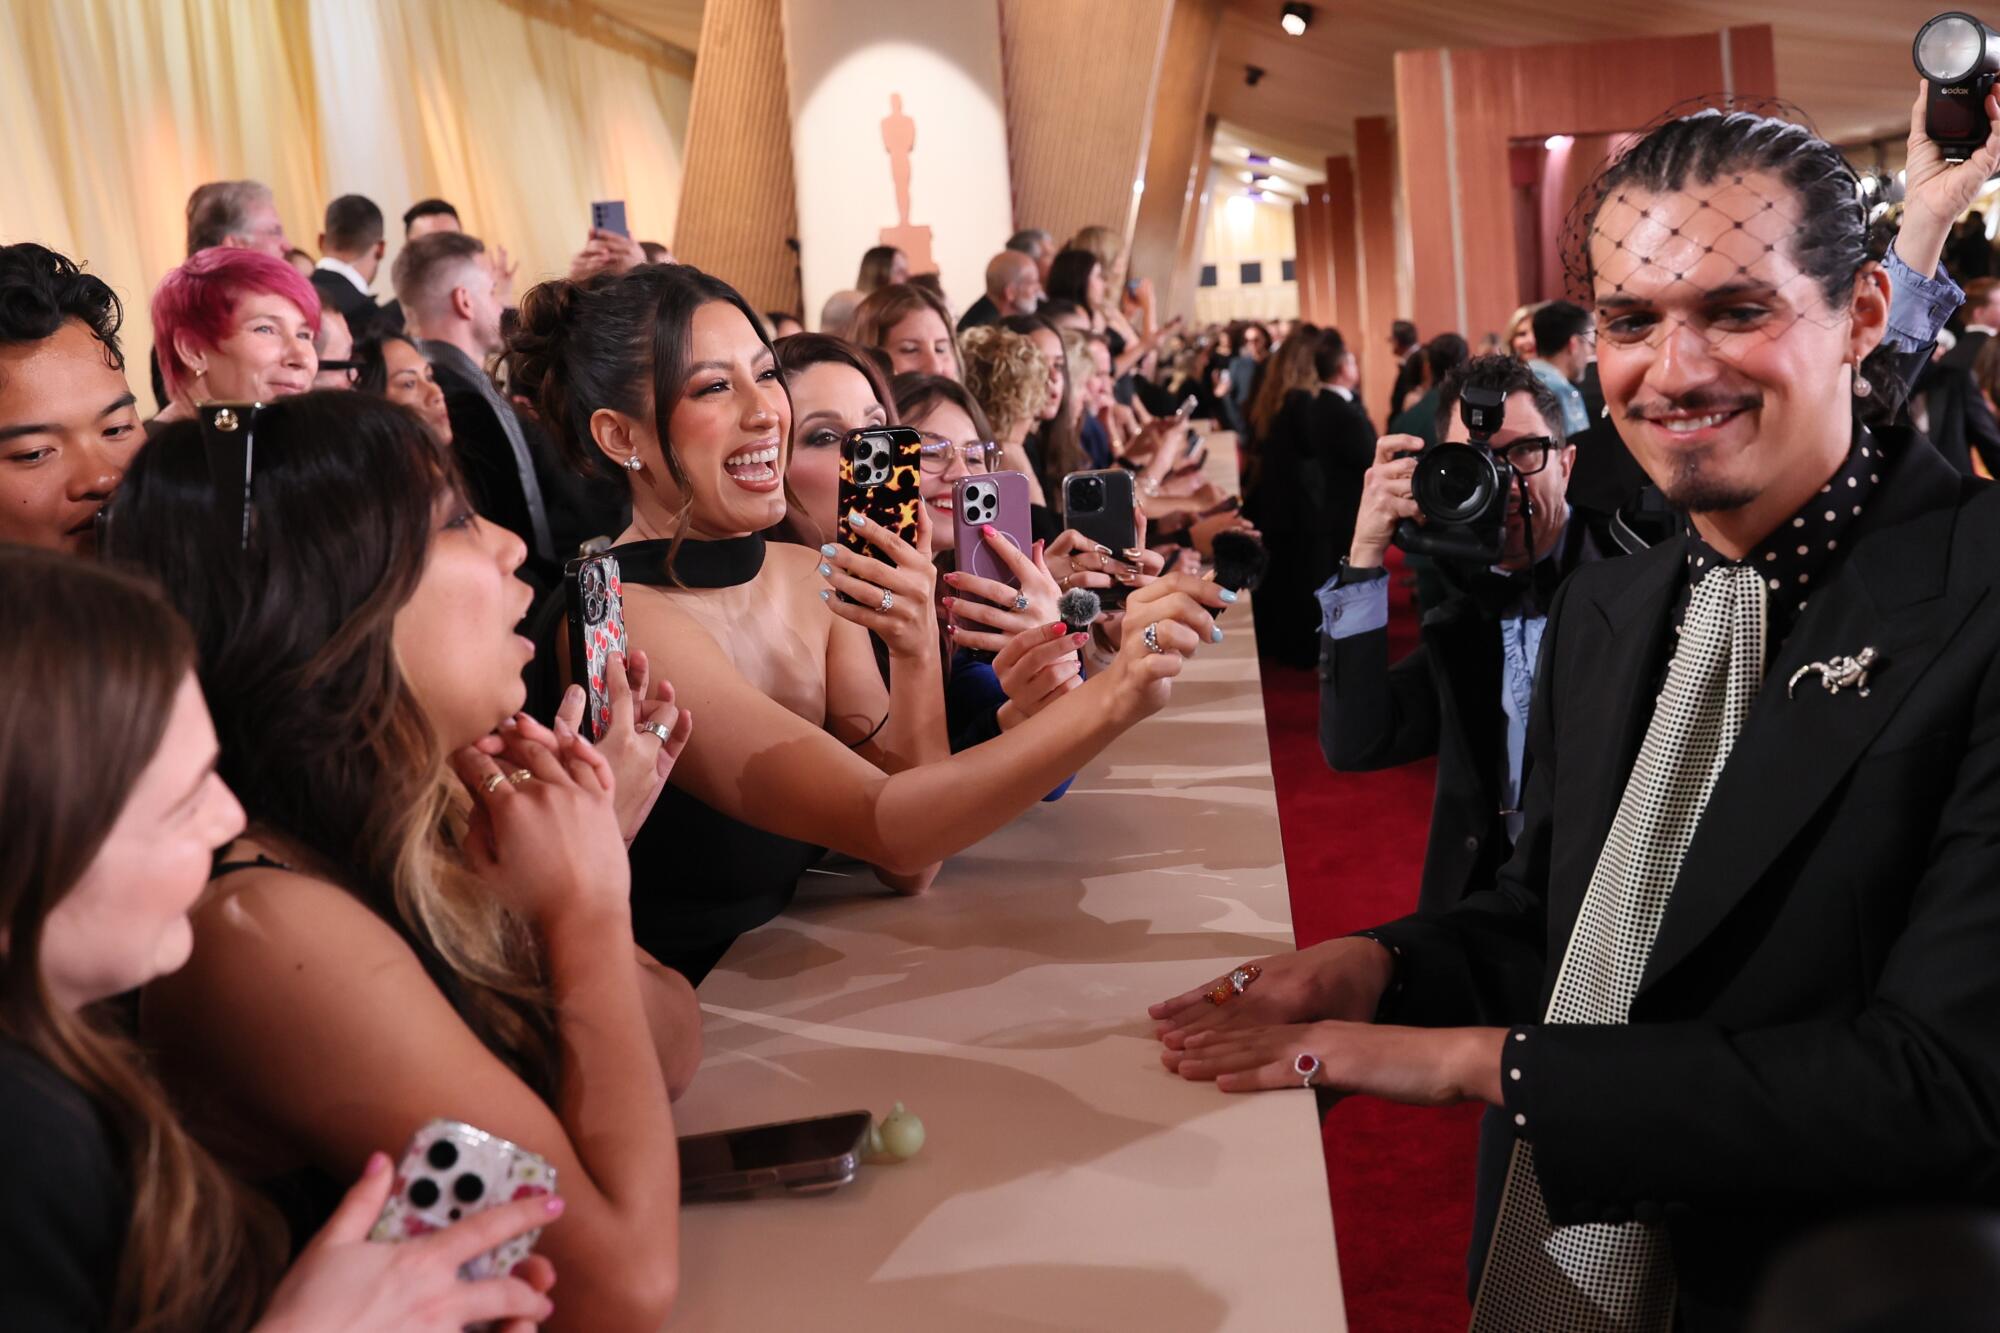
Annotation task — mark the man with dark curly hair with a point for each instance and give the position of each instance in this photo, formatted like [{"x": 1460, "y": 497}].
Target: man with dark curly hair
[{"x": 68, "y": 421}]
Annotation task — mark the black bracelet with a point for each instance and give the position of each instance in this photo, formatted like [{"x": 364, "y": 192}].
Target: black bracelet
[{"x": 871, "y": 735}]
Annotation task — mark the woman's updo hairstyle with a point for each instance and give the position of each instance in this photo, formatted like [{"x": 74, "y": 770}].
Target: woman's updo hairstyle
[{"x": 616, "y": 341}]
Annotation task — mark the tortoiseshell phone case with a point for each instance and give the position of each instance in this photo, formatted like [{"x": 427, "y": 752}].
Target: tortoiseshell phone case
[
  {"x": 451, "y": 1171},
  {"x": 881, "y": 475}
]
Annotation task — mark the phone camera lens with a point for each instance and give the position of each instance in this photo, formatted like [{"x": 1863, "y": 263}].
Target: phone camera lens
[
  {"x": 443, "y": 1155},
  {"x": 423, "y": 1193},
  {"x": 467, "y": 1188}
]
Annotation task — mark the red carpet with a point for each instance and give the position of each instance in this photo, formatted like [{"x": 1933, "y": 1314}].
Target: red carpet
[{"x": 1401, "y": 1177}]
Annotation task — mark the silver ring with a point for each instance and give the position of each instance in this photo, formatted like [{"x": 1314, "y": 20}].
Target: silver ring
[
  {"x": 888, "y": 601},
  {"x": 657, "y": 728},
  {"x": 1020, "y": 601},
  {"x": 1307, "y": 1067},
  {"x": 1152, "y": 637}
]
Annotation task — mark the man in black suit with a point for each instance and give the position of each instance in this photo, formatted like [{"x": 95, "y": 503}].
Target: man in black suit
[
  {"x": 1737, "y": 978},
  {"x": 351, "y": 250},
  {"x": 1463, "y": 693},
  {"x": 1409, "y": 354},
  {"x": 449, "y": 290},
  {"x": 1961, "y": 422},
  {"x": 1013, "y": 287}
]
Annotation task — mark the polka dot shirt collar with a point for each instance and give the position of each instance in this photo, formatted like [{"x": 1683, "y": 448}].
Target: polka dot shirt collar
[{"x": 1799, "y": 557}]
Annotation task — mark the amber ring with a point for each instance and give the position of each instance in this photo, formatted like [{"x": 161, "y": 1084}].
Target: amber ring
[{"x": 1235, "y": 983}]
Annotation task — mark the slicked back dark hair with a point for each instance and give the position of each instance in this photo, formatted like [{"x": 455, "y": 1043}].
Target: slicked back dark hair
[
  {"x": 353, "y": 222},
  {"x": 1446, "y": 353},
  {"x": 1504, "y": 373},
  {"x": 40, "y": 290}
]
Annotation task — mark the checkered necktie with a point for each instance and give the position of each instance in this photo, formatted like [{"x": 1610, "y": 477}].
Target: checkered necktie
[{"x": 1598, "y": 1277}]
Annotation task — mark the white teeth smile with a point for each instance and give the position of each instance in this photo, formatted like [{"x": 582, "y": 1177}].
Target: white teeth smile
[
  {"x": 753, "y": 458},
  {"x": 1683, "y": 425}
]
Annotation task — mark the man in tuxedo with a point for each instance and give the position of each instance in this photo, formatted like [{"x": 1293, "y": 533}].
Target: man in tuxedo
[
  {"x": 351, "y": 249},
  {"x": 1013, "y": 287},
  {"x": 450, "y": 292},
  {"x": 1961, "y": 422},
  {"x": 1409, "y": 354},
  {"x": 1737, "y": 979},
  {"x": 1463, "y": 694}
]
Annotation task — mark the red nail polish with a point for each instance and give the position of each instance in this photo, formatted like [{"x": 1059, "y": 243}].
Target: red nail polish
[
  {"x": 1079, "y": 638},
  {"x": 1056, "y": 630},
  {"x": 946, "y": 603}
]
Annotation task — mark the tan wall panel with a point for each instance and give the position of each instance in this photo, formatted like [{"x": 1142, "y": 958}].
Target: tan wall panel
[
  {"x": 1079, "y": 80},
  {"x": 1426, "y": 187},
  {"x": 1177, "y": 154},
  {"x": 1325, "y": 276},
  {"x": 1375, "y": 203},
  {"x": 1187, "y": 267},
  {"x": 1305, "y": 241},
  {"x": 738, "y": 203}
]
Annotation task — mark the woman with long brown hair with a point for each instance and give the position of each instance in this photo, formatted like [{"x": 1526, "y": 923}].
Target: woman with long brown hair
[
  {"x": 111, "y": 1217},
  {"x": 426, "y": 918},
  {"x": 665, "y": 371},
  {"x": 912, "y": 326}
]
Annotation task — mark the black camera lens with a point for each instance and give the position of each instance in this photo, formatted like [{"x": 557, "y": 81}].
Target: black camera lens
[
  {"x": 1088, "y": 495},
  {"x": 442, "y": 1155},
  {"x": 1455, "y": 483},
  {"x": 423, "y": 1193},
  {"x": 467, "y": 1188}
]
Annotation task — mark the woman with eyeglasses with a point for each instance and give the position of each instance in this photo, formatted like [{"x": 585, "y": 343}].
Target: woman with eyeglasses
[
  {"x": 666, "y": 371},
  {"x": 428, "y": 915},
  {"x": 233, "y": 326}
]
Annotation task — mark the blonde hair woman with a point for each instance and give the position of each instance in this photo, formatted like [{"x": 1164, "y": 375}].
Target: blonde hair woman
[
  {"x": 1520, "y": 340},
  {"x": 1008, "y": 377}
]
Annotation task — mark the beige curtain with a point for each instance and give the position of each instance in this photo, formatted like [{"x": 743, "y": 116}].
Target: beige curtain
[{"x": 113, "y": 110}]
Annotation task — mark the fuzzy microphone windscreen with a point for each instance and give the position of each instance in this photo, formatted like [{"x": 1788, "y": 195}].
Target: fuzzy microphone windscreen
[
  {"x": 1240, "y": 561},
  {"x": 1079, "y": 607}
]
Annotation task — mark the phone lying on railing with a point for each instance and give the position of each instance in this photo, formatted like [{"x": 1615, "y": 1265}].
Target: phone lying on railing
[{"x": 804, "y": 1156}]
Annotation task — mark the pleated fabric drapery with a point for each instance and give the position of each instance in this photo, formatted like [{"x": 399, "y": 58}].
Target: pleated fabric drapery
[{"x": 113, "y": 110}]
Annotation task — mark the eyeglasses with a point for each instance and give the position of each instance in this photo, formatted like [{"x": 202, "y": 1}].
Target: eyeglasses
[
  {"x": 938, "y": 452},
  {"x": 1527, "y": 456}
]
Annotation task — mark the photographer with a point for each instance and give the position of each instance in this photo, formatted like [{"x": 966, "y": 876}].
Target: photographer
[{"x": 1463, "y": 694}]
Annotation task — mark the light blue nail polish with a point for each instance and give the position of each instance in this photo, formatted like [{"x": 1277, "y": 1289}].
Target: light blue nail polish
[
  {"x": 1215, "y": 635},
  {"x": 829, "y": 550},
  {"x": 826, "y": 594},
  {"x": 1228, "y": 595},
  {"x": 825, "y": 569},
  {"x": 856, "y": 519}
]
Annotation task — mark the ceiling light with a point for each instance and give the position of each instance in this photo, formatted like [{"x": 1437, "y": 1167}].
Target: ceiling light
[
  {"x": 1557, "y": 141},
  {"x": 1296, "y": 19}
]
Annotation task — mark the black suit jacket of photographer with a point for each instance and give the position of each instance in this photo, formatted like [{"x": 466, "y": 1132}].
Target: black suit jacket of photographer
[
  {"x": 1817, "y": 1032},
  {"x": 1442, "y": 699}
]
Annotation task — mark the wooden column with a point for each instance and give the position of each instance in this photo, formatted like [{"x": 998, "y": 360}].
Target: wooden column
[
  {"x": 1457, "y": 111},
  {"x": 1177, "y": 153},
  {"x": 1080, "y": 82},
  {"x": 1187, "y": 265},
  {"x": 1343, "y": 255},
  {"x": 1375, "y": 206},
  {"x": 739, "y": 208}
]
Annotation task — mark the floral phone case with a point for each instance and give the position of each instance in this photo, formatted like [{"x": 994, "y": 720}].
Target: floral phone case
[
  {"x": 451, "y": 1171},
  {"x": 596, "y": 600},
  {"x": 881, "y": 475}
]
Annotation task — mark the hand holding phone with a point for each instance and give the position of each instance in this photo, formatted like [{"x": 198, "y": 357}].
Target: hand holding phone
[
  {"x": 596, "y": 601},
  {"x": 343, "y": 1282},
  {"x": 451, "y": 1171},
  {"x": 609, "y": 215}
]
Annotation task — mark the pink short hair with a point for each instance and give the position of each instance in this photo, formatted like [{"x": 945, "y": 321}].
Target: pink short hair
[{"x": 200, "y": 297}]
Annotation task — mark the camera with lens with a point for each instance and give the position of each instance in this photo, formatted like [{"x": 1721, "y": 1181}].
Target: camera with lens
[
  {"x": 1462, "y": 488},
  {"x": 1959, "y": 57}
]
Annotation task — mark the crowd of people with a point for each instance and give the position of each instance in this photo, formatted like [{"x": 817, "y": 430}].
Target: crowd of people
[{"x": 300, "y": 792}]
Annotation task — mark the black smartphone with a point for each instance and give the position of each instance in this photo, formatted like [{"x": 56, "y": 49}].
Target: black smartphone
[
  {"x": 808, "y": 1155},
  {"x": 609, "y": 215},
  {"x": 596, "y": 601},
  {"x": 1098, "y": 505}
]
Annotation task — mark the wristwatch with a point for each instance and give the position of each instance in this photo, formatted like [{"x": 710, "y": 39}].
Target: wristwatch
[{"x": 1349, "y": 575}]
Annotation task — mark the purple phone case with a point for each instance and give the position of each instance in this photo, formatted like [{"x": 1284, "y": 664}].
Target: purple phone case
[{"x": 999, "y": 500}]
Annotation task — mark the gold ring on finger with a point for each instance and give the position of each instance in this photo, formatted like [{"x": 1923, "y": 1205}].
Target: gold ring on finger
[
  {"x": 491, "y": 782},
  {"x": 519, "y": 776}
]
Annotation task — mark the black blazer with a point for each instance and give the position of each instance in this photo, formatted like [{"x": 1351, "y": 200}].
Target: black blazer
[
  {"x": 1817, "y": 1032},
  {"x": 1960, "y": 422},
  {"x": 365, "y": 317},
  {"x": 1305, "y": 492},
  {"x": 1442, "y": 699},
  {"x": 1409, "y": 383}
]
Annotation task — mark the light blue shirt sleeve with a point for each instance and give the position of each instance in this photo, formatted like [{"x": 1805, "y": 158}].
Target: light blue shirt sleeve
[
  {"x": 1355, "y": 609},
  {"x": 1576, "y": 418},
  {"x": 1520, "y": 649},
  {"x": 1918, "y": 306}
]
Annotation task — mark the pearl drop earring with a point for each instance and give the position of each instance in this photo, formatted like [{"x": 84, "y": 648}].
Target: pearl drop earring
[{"x": 633, "y": 464}]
